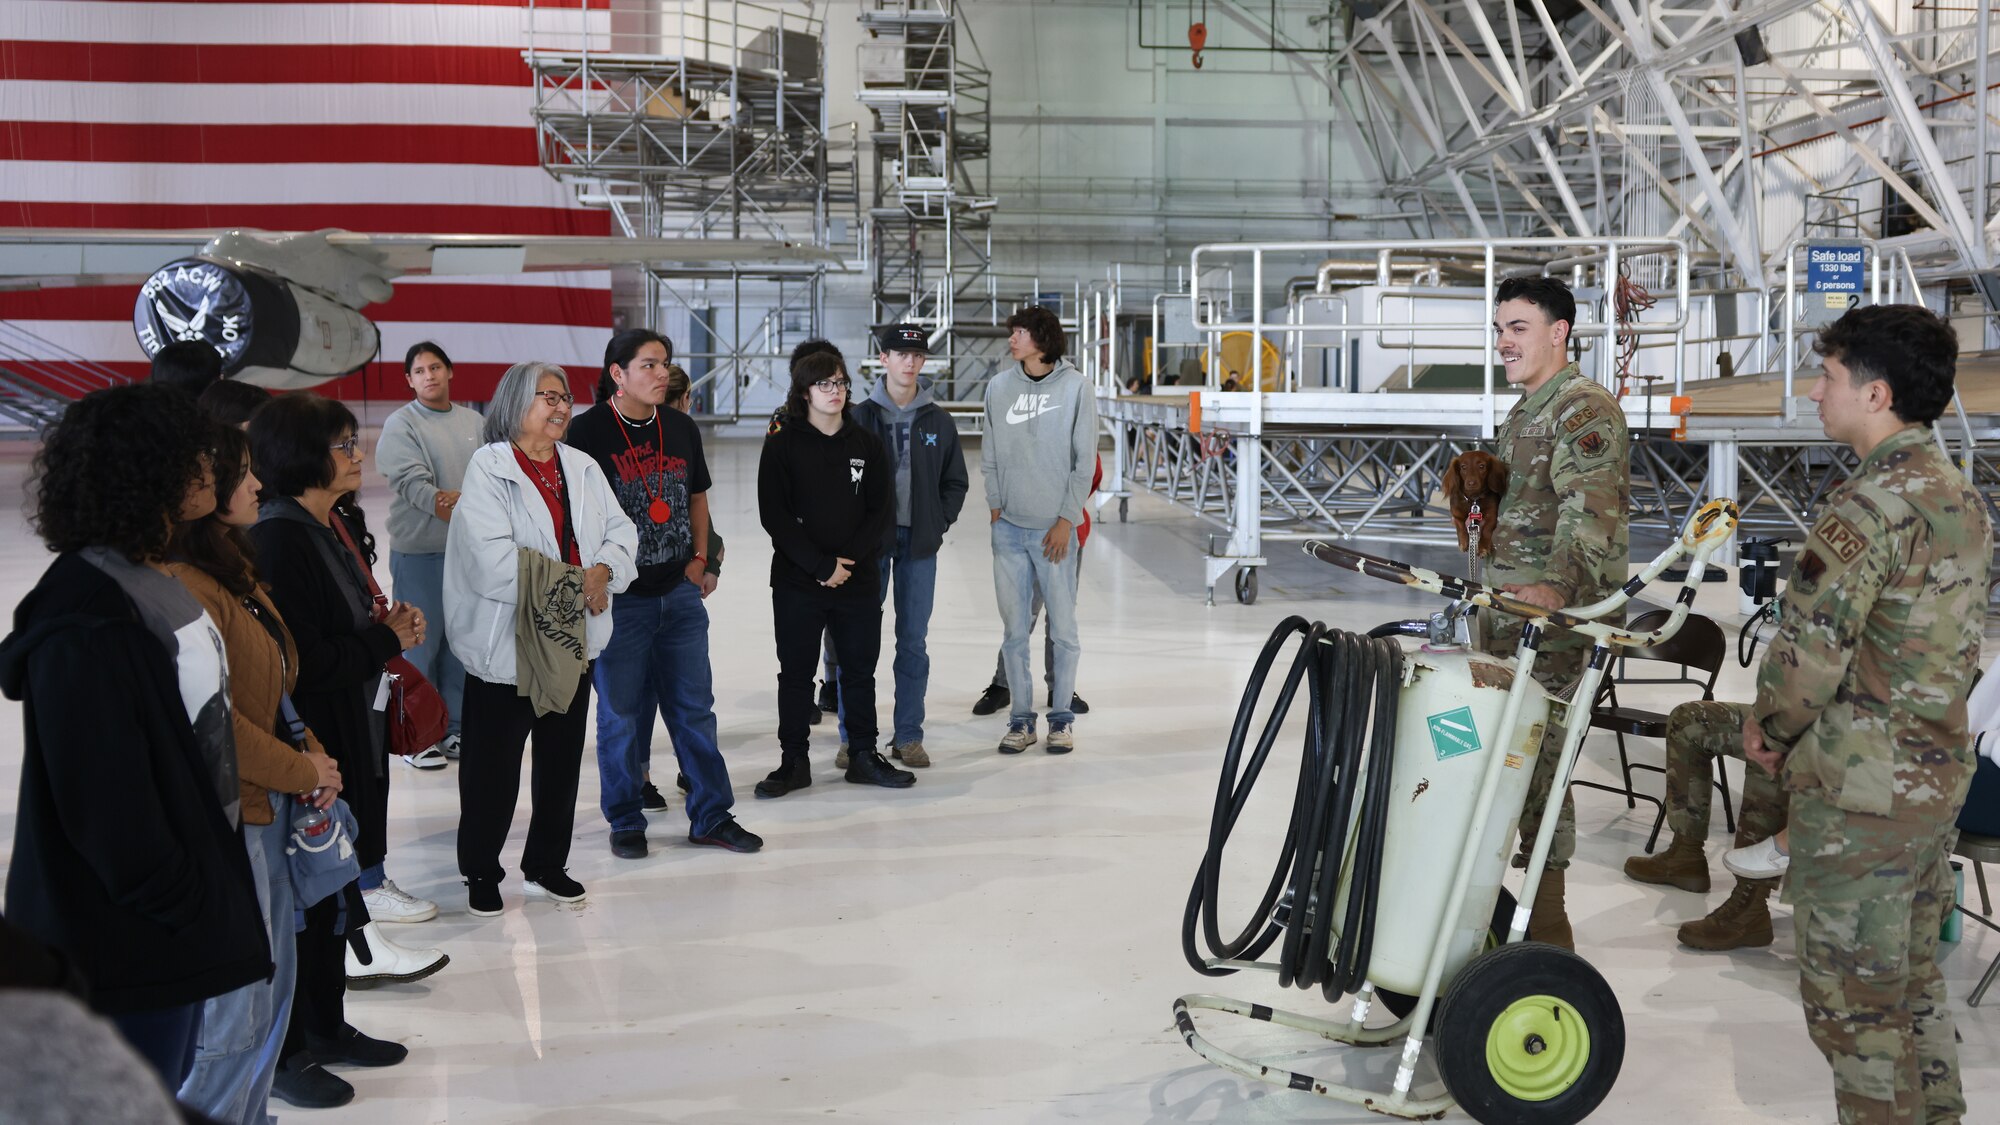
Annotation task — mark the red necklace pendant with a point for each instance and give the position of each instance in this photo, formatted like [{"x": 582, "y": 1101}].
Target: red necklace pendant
[{"x": 660, "y": 511}]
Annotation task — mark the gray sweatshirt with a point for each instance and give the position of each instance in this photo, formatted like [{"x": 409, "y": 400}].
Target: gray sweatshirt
[
  {"x": 896, "y": 422},
  {"x": 422, "y": 451},
  {"x": 1040, "y": 446}
]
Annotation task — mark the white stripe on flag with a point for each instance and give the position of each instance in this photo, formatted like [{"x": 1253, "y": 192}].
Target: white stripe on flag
[
  {"x": 365, "y": 103},
  {"x": 50, "y": 181},
  {"x": 457, "y": 25}
]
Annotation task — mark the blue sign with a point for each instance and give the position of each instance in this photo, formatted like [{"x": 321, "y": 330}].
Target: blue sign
[{"x": 1834, "y": 273}]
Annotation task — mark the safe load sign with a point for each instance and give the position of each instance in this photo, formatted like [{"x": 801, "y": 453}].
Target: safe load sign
[{"x": 1834, "y": 273}]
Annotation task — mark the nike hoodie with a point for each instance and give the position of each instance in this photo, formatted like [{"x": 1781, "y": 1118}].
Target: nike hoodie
[{"x": 1040, "y": 445}]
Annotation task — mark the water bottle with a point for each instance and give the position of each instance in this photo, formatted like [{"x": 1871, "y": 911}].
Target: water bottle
[{"x": 310, "y": 822}]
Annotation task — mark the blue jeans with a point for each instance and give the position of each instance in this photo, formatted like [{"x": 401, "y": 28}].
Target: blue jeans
[
  {"x": 916, "y": 590},
  {"x": 658, "y": 657},
  {"x": 1019, "y": 569},
  {"x": 237, "y": 1051},
  {"x": 164, "y": 1037},
  {"x": 419, "y": 580}
]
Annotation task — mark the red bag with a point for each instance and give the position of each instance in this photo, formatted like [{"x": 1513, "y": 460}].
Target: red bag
[{"x": 418, "y": 717}]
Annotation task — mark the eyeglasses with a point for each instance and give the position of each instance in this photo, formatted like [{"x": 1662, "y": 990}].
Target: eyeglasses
[
  {"x": 556, "y": 398},
  {"x": 833, "y": 386},
  {"x": 351, "y": 447}
]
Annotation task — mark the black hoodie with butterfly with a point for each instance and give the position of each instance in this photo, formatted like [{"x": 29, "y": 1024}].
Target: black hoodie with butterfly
[{"x": 823, "y": 498}]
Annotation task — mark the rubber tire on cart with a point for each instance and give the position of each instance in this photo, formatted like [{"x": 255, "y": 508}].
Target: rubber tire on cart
[
  {"x": 1530, "y": 1033},
  {"x": 1246, "y": 585},
  {"x": 1401, "y": 1004}
]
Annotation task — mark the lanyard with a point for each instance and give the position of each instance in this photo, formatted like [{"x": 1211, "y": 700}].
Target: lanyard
[{"x": 659, "y": 511}]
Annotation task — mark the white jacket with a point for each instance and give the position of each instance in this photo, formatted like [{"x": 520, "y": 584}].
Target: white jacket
[{"x": 501, "y": 511}]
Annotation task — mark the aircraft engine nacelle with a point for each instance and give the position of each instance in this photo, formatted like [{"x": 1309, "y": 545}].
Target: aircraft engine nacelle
[{"x": 271, "y": 332}]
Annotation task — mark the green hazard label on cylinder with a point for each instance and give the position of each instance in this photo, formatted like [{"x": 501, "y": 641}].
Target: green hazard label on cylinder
[{"x": 1453, "y": 733}]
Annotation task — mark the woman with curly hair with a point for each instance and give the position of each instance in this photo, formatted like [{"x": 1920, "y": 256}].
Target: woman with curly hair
[
  {"x": 236, "y": 1053},
  {"x": 127, "y": 855},
  {"x": 307, "y": 453}
]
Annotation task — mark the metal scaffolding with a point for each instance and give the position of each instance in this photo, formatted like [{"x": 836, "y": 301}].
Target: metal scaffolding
[
  {"x": 1739, "y": 128},
  {"x": 706, "y": 119},
  {"x": 929, "y": 93}
]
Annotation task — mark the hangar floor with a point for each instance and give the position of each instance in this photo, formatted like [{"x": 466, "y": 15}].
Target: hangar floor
[{"x": 1000, "y": 943}]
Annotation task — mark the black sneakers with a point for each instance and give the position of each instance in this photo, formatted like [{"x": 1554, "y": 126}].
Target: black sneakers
[
  {"x": 557, "y": 885},
  {"x": 866, "y": 767},
  {"x": 630, "y": 844},
  {"x": 829, "y": 697},
  {"x": 730, "y": 835},
  {"x": 482, "y": 899},
  {"x": 355, "y": 1049},
  {"x": 302, "y": 1082},
  {"x": 652, "y": 798},
  {"x": 996, "y": 697},
  {"x": 681, "y": 783},
  {"x": 794, "y": 773}
]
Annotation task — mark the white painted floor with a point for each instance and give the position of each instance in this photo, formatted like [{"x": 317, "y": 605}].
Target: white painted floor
[{"x": 1002, "y": 942}]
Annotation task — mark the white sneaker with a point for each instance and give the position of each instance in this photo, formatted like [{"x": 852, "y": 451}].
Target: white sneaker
[
  {"x": 429, "y": 758},
  {"x": 390, "y": 903},
  {"x": 389, "y": 963},
  {"x": 1761, "y": 860},
  {"x": 450, "y": 746}
]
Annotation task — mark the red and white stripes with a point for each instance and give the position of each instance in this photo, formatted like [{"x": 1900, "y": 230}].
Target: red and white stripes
[{"x": 382, "y": 117}]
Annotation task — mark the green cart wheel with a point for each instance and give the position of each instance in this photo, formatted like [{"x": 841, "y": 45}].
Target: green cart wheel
[{"x": 1530, "y": 1035}]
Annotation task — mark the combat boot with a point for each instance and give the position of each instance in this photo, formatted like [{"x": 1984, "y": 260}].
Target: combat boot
[
  {"x": 1549, "y": 922},
  {"x": 1743, "y": 922},
  {"x": 1682, "y": 865}
]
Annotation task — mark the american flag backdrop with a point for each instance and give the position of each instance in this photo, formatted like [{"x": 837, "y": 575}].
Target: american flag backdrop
[{"x": 388, "y": 116}]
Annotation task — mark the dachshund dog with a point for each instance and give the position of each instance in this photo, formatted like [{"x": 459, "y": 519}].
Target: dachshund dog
[{"x": 1476, "y": 477}]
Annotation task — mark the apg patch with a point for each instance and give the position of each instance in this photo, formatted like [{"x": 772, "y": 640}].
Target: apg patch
[
  {"x": 1840, "y": 538},
  {"x": 1591, "y": 443},
  {"x": 1579, "y": 419}
]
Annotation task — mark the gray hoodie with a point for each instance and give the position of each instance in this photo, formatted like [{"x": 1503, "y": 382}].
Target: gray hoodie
[
  {"x": 1040, "y": 446},
  {"x": 897, "y": 420}
]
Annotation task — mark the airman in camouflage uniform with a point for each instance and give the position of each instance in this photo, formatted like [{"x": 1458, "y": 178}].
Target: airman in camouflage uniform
[
  {"x": 1863, "y": 693},
  {"x": 1561, "y": 525},
  {"x": 1698, "y": 733}
]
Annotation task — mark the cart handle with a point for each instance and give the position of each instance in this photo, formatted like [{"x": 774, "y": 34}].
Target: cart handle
[{"x": 1707, "y": 530}]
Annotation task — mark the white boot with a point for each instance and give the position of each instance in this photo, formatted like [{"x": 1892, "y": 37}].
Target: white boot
[{"x": 388, "y": 963}]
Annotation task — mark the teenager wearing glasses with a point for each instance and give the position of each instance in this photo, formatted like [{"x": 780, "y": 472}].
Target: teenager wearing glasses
[{"x": 826, "y": 494}]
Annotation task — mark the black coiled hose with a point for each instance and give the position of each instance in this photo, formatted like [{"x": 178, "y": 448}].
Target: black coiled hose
[{"x": 1344, "y": 778}]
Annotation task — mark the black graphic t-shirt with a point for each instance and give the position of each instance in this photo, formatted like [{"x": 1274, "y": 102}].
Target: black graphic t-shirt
[{"x": 655, "y": 462}]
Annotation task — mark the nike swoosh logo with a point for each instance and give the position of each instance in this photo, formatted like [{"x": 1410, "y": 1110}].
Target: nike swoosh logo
[{"x": 1015, "y": 417}]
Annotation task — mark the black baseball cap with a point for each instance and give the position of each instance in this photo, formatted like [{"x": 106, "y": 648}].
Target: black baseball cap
[{"x": 905, "y": 338}]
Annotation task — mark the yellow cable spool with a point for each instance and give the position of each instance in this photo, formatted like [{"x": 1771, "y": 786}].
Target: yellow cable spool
[{"x": 1236, "y": 361}]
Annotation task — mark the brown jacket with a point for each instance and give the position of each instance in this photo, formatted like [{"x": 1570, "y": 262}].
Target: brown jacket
[{"x": 258, "y": 676}]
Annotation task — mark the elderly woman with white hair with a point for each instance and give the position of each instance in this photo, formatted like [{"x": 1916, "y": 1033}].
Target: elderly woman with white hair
[{"x": 537, "y": 546}]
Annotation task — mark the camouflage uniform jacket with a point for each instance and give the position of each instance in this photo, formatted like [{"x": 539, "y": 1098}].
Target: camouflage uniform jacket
[
  {"x": 1563, "y": 520},
  {"x": 1878, "y": 638}
]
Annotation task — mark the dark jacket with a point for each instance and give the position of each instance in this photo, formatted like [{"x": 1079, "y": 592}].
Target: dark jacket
[
  {"x": 823, "y": 499},
  {"x": 319, "y": 590},
  {"x": 123, "y": 858},
  {"x": 938, "y": 481}
]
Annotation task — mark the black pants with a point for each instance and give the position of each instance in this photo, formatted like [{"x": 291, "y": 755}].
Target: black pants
[
  {"x": 319, "y": 992},
  {"x": 852, "y": 616},
  {"x": 495, "y": 731}
]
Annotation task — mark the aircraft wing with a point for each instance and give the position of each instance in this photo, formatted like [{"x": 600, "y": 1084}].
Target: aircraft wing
[{"x": 355, "y": 267}]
